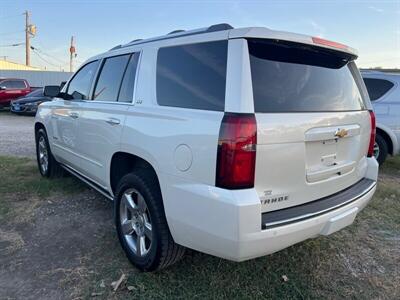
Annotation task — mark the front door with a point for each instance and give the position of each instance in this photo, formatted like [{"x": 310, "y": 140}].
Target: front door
[{"x": 66, "y": 114}]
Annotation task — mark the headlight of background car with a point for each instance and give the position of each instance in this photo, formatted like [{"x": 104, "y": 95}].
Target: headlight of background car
[{"x": 33, "y": 103}]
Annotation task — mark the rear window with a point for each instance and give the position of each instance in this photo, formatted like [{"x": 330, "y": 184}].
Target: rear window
[
  {"x": 289, "y": 77},
  {"x": 14, "y": 84},
  {"x": 377, "y": 87},
  {"x": 192, "y": 76}
]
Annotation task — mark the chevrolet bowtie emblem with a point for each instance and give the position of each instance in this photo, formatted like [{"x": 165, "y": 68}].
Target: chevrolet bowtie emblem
[{"x": 341, "y": 133}]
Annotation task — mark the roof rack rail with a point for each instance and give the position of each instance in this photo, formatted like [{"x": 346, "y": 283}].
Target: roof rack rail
[
  {"x": 116, "y": 47},
  {"x": 176, "y": 31},
  {"x": 181, "y": 33},
  {"x": 219, "y": 27}
]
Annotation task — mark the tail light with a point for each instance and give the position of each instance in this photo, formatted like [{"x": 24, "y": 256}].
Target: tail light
[
  {"x": 236, "y": 157},
  {"x": 373, "y": 134}
]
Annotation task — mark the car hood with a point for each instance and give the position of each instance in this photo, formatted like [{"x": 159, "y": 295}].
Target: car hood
[{"x": 25, "y": 100}]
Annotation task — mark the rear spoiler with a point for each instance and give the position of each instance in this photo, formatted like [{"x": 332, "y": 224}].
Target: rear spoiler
[{"x": 265, "y": 33}]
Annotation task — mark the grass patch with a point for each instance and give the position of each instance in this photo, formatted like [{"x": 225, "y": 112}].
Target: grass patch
[
  {"x": 22, "y": 176},
  {"x": 19, "y": 177},
  {"x": 391, "y": 165}
]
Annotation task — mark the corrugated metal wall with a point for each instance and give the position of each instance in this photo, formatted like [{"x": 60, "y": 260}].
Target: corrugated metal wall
[{"x": 37, "y": 78}]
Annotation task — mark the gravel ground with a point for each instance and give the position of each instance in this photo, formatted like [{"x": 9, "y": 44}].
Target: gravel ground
[{"x": 16, "y": 135}]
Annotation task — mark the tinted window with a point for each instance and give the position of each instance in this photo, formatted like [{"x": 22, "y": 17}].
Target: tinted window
[
  {"x": 110, "y": 78},
  {"x": 377, "y": 87},
  {"x": 293, "y": 78},
  {"x": 192, "y": 76},
  {"x": 35, "y": 93},
  {"x": 14, "y": 84},
  {"x": 128, "y": 83},
  {"x": 79, "y": 87}
]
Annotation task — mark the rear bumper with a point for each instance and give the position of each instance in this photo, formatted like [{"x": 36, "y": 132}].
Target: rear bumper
[{"x": 229, "y": 224}]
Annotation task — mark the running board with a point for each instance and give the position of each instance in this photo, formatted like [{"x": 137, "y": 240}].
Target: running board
[{"x": 88, "y": 182}]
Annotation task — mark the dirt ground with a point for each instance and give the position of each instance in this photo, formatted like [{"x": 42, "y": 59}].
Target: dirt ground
[
  {"x": 16, "y": 135},
  {"x": 57, "y": 241}
]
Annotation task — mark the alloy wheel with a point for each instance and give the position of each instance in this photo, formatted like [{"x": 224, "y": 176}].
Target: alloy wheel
[
  {"x": 376, "y": 150},
  {"x": 43, "y": 155},
  {"x": 135, "y": 222}
]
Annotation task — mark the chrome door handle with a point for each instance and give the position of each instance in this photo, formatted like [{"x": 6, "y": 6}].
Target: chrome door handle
[
  {"x": 73, "y": 115},
  {"x": 113, "y": 121}
]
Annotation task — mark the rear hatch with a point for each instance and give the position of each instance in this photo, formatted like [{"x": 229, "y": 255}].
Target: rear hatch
[{"x": 313, "y": 127}]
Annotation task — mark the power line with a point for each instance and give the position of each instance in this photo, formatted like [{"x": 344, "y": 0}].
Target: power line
[
  {"x": 10, "y": 16},
  {"x": 49, "y": 55},
  {"x": 11, "y": 32},
  {"x": 46, "y": 61},
  {"x": 13, "y": 45}
]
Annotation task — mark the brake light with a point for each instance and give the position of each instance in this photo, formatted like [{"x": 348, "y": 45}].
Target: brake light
[
  {"x": 373, "y": 134},
  {"x": 317, "y": 40},
  {"x": 236, "y": 157}
]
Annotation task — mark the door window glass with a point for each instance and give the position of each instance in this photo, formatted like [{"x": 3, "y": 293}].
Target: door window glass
[{"x": 79, "y": 87}]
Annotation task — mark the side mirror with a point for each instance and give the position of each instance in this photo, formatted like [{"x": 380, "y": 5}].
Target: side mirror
[
  {"x": 2, "y": 88},
  {"x": 51, "y": 91},
  {"x": 63, "y": 83}
]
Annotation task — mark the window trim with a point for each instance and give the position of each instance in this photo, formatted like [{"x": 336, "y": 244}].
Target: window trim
[
  {"x": 93, "y": 86},
  {"x": 395, "y": 84}
]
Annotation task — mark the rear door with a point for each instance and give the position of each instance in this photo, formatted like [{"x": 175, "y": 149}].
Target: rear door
[
  {"x": 102, "y": 118},
  {"x": 313, "y": 125}
]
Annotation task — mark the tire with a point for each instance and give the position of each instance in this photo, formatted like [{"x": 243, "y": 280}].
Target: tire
[
  {"x": 132, "y": 222},
  {"x": 381, "y": 151},
  {"x": 43, "y": 154}
]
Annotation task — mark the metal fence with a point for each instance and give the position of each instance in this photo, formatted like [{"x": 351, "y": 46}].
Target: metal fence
[{"x": 37, "y": 78}]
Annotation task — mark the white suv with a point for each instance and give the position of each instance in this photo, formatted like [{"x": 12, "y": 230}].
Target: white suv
[
  {"x": 384, "y": 92},
  {"x": 233, "y": 142}
]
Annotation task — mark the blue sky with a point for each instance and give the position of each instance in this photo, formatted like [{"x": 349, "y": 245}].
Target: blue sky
[{"x": 372, "y": 27}]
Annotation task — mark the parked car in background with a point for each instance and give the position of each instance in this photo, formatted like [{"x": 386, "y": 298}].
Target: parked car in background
[
  {"x": 233, "y": 142},
  {"x": 28, "y": 104},
  {"x": 12, "y": 88},
  {"x": 384, "y": 92}
]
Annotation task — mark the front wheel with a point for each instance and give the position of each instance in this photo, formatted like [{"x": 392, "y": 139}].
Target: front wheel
[
  {"x": 141, "y": 224},
  {"x": 48, "y": 166}
]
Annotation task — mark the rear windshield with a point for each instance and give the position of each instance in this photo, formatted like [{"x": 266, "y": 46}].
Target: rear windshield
[{"x": 290, "y": 77}]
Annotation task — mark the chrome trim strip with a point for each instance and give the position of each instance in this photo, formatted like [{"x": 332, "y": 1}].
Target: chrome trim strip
[
  {"x": 78, "y": 155},
  {"x": 309, "y": 215},
  {"x": 87, "y": 181}
]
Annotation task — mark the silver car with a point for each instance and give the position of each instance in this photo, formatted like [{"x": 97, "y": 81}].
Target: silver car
[{"x": 384, "y": 92}]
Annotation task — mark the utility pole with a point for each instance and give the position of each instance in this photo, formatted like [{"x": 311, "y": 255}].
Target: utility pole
[
  {"x": 27, "y": 40},
  {"x": 71, "y": 55}
]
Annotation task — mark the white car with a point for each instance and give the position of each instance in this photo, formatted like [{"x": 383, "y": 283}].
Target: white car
[
  {"x": 233, "y": 142},
  {"x": 384, "y": 92}
]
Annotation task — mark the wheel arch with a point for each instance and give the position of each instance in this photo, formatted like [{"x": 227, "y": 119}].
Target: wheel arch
[
  {"x": 39, "y": 125},
  {"x": 123, "y": 163},
  {"x": 387, "y": 137}
]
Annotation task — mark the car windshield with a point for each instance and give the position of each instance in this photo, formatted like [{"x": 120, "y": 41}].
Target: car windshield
[{"x": 35, "y": 93}]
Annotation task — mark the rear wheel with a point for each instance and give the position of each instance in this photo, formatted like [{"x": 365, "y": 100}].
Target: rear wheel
[
  {"x": 141, "y": 224},
  {"x": 48, "y": 166},
  {"x": 380, "y": 149}
]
